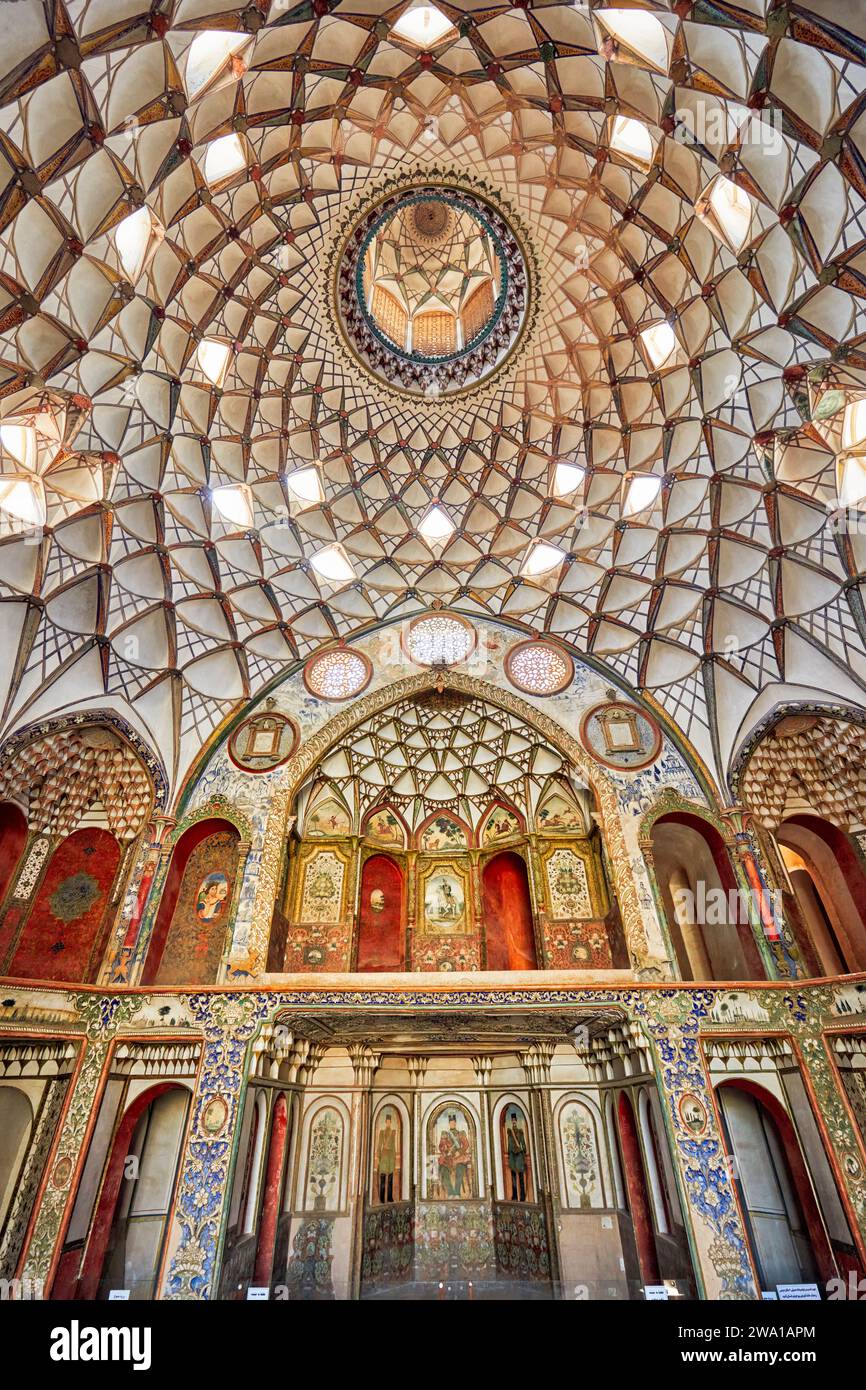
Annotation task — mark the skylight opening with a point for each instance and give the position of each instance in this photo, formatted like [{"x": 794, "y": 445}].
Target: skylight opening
[
  {"x": 854, "y": 425},
  {"x": 567, "y": 478},
  {"x": 631, "y": 138},
  {"x": 23, "y": 499},
  {"x": 436, "y": 526},
  {"x": 731, "y": 212},
  {"x": 333, "y": 565},
  {"x": 213, "y": 359},
  {"x": 423, "y": 25},
  {"x": 660, "y": 344},
  {"x": 224, "y": 158},
  {"x": 641, "y": 492},
  {"x": 852, "y": 482},
  {"x": 234, "y": 504},
  {"x": 133, "y": 238},
  {"x": 641, "y": 34},
  {"x": 541, "y": 559},
  {"x": 305, "y": 489},
  {"x": 209, "y": 54},
  {"x": 19, "y": 441}
]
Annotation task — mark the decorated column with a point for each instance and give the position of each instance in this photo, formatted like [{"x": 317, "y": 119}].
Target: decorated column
[
  {"x": 229, "y": 1023},
  {"x": 720, "y": 1249},
  {"x": 53, "y": 1207}
]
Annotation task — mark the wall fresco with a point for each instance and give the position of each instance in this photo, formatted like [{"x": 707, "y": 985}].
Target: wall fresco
[{"x": 672, "y": 1023}]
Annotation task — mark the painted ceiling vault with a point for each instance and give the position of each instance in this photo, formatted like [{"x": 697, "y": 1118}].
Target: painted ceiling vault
[
  {"x": 655, "y": 473},
  {"x": 446, "y": 753}
]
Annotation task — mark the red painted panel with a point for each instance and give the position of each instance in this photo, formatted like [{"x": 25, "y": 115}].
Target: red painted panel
[
  {"x": 508, "y": 914},
  {"x": 273, "y": 1192},
  {"x": 61, "y": 937},
  {"x": 13, "y": 837},
  {"x": 13, "y": 834},
  {"x": 195, "y": 939},
  {"x": 380, "y": 919},
  {"x": 638, "y": 1196}
]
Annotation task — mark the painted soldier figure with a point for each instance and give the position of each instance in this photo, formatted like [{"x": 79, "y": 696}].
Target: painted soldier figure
[
  {"x": 386, "y": 1159},
  {"x": 516, "y": 1142}
]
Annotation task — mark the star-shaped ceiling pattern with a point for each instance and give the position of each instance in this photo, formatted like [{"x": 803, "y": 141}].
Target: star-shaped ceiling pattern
[
  {"x": 690, "y": 183},
  {"x": 443, "y": 752}
]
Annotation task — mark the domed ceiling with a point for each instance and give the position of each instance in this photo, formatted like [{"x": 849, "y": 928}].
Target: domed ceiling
[{"x": 185, "y": 428}]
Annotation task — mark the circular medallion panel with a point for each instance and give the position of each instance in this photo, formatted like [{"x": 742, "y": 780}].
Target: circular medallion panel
[
  {"x": 263, "y": 741},
  {"x": 439, "y": 639},
  {"x": 431, "y": 288},
  {"x": 338, "y": 674},
  {"x": 621, "y": 736},
  {"x": 539, "y": 668}
]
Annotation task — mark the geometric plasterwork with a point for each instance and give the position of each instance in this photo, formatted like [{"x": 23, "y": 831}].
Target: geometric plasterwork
[
  {"x": 74, "y": 775},
  {"x": 646, "y": 948},
  {"x": 166, "y": 364},
  {"x": 434, "y": 753},
  {"x": 807, "y": 764}
]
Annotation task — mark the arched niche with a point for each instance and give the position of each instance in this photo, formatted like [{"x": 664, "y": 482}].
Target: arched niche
[
  {"x": 126, "y": 1241},
  {"x": 653, "y": 1163},
  {"x": 452, "y": 1158},
  {"x": 257, "y": 1232},
  {"x": 708, "y": 917},
  {"x": 786, "y": 1230},
  {"x": 323, "y": 1174},
  {"x": 250, "y": 1170},
  {"x": 829, "y": 883},
  {"x": 641, "y": 933},
  {"x": 582, "y": 1154},
  {"x": 516, "y": 1176},
  {"x": 649, "y": 1188},
  {"x": 65, "y": 931},
  {"x": 16, "y": 1128},
  {"x": 13, "y": 837},
  {"x": 381, "y": 916},
  {"x": 509, "y": 926},
  {"x": 390, "y": 1153},
  {"x": 195, "y": 909}
]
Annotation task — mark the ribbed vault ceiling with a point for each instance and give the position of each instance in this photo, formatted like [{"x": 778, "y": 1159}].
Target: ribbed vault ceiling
[{"x": 173, "y": 572}]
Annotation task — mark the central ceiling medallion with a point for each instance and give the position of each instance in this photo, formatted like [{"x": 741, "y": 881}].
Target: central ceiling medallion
[{"x": 431, "y": 289}]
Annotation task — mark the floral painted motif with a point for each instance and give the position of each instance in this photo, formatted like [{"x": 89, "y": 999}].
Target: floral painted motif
[
  {"x": 322, "y": 894},
  {"x": 580, "y": 1156},
  {"x": 568, "y": 885},
  {"x": 74, "y": 897},
  {"x": 325, "y": 1157}
]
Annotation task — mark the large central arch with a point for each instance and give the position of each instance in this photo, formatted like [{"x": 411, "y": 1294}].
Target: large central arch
[{"x": 646, "y": 962}]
